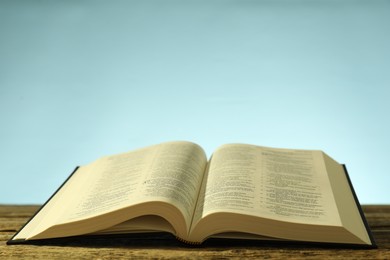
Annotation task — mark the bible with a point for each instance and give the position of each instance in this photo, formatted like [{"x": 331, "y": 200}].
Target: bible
[{"x": 242, "y": 191}]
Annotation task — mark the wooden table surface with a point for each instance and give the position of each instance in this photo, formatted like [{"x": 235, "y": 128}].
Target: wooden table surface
[{"x": 13, "y": 217}]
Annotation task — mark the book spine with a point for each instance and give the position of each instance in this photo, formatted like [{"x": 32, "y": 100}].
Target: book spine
[{"x": 192, "y": 243}]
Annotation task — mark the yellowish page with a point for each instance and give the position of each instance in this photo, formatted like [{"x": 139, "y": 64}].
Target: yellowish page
[
  {"x": 169, "y": 172},
  {"x": 280, "y": 184}
]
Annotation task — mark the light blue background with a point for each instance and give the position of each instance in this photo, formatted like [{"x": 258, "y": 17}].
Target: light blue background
[{"x": 83, "y": 79}]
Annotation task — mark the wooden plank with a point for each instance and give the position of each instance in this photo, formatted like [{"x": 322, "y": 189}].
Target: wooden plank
[
  {"x": 17, "y": 210},
  {"x": 12, "y": 217}
]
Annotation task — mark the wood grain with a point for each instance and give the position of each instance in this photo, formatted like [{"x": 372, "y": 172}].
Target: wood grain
[{"x": 13, "y": 217}]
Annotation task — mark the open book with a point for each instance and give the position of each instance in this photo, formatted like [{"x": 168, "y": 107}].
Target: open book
[{"x": 242, "y": 191}]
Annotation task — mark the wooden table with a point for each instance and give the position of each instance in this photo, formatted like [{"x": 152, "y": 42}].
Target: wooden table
[{"x": 13, "y": 217}]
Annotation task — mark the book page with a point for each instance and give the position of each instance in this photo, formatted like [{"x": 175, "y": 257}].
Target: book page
[
  {"x": 169, "y": 172},
  {"x": 345, "y": 201},
  {"x": 280, "y": 184},
  {"x": 175, "y": 175}
]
